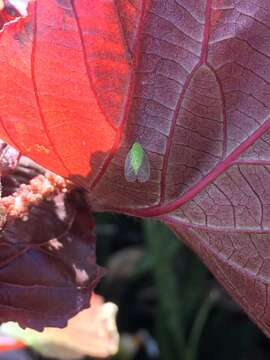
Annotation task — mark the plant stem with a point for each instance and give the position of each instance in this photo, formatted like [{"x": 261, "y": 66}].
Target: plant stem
[
  {"x": 162, "y": 247},
  {"x": 198, "y": 326}
]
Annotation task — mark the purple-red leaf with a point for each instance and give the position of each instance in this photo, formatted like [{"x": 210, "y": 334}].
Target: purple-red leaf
[
  {"x": 47, "y": 260},
  {"x": 201, "y": 109},
  {"x": 190, "y": 81}
]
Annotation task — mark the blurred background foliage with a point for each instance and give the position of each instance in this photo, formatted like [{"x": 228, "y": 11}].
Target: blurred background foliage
[{"x": 170, "y": 306}]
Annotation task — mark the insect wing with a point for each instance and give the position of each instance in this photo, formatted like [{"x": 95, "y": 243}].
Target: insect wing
[
  {"x": 144, "y": 171},
  {"x": 130, "y": 173}
]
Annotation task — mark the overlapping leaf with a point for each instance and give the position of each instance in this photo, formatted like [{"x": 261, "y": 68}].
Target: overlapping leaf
[
  {"x": 187, "y": 79},
  {"x": 68, "y": 71},
  {"x": 47, "y": 259}
]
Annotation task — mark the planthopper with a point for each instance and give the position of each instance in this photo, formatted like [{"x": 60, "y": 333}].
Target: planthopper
[{"x": 137, "y": 165}]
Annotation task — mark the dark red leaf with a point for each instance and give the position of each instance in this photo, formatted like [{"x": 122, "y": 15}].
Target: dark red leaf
[
  {"x": 201, "y": 110},
  {"x": 189, "y": 80},
  {"x": 47, "y": 261},
  {"x": 9, "y": 158}
]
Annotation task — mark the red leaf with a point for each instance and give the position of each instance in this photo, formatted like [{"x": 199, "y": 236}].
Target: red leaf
[
  {"x": 187, "y": 79},
  {"x": 65, "y": 76}
]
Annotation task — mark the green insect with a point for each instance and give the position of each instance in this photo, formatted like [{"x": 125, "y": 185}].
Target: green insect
[{"x": 137, "y": 165}]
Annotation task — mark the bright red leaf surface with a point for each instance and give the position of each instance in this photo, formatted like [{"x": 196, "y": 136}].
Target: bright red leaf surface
[{"x": 188, "y": 79}]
